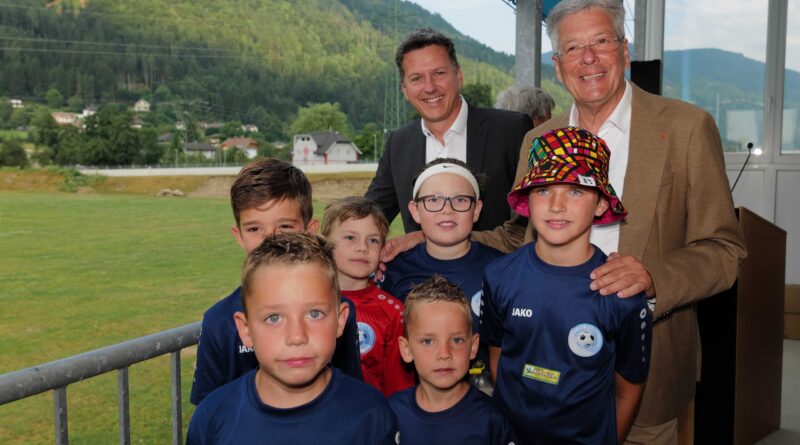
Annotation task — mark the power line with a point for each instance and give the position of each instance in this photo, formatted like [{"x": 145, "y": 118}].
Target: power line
[
  {"x": 119, "y": 53},
  {"x": 183, "y": 15},
  {"x": 92, "y": 12},
  {"x": 122, "y": 45}
]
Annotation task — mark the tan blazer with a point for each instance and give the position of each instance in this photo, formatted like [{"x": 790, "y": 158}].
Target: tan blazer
[{"x": 680, "y": 224}]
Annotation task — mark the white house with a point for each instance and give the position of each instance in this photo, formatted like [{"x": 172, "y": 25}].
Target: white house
[
  {"x": 141, "y": 106},
  {"x": 16, "y": 103},
  {"x": 208, "y": 151},
  {"x": 248, "y": 145},
  {"x": 63, "y": 118},
  {"x": 88, "y": 111},
  {"x": 324, "y": 147}
]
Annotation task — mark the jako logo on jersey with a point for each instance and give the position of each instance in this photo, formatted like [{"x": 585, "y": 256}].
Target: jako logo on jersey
[
  {"x": 522, "y": 312},
  {"x": 366, "y": 337}
]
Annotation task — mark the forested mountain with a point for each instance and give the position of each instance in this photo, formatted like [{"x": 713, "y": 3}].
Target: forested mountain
[
  {"x": 260, "y": 61},
  {"x": 251, "y": 60},
  {"x": 700, "y": 74}
]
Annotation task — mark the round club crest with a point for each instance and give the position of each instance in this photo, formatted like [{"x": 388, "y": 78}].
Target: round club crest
[
  {"x": 585, "y": 340},
  {"x": 475, "y": 303},
  {"x": 366, "y": 337}
]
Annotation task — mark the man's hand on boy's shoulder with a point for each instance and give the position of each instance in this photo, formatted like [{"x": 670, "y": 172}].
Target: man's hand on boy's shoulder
[
  {"x": 395, "y": 246},
  {"x": 623, "y": 275}
]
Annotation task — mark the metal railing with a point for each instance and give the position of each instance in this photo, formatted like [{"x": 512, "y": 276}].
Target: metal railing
[{"x": 56, "y": 375}]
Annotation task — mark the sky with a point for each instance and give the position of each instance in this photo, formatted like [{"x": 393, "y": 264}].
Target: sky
[{"x": 741, "y": 29}]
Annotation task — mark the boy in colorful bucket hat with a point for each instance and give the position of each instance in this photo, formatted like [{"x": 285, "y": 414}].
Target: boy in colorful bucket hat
[{"x": 569, "y": 364}]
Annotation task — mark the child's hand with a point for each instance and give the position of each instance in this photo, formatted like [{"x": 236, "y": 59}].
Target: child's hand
[{"x": 623, "y": 275}]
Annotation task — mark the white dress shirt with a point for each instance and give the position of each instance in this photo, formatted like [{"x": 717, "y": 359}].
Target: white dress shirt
[
  {"x": 455, "y": 139},
  {"x": 616, "y": 131}
]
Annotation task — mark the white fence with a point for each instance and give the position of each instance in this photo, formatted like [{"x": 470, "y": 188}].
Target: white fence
[{"x": 222, "y": 171}]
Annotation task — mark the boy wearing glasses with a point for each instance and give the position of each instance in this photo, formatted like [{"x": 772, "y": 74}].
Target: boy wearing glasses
[{"x": 446, "y": 203}]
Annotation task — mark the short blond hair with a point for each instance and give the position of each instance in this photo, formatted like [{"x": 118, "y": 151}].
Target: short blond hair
[
  {"x": 434, "y": 289},
  {"x": 354, "y": 207},
  {"x": 288, "y": 249}
]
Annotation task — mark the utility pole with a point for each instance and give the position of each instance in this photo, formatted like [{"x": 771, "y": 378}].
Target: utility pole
[
  {"x": 185, "y": 135},
  {"x": 393, "y": 103}
]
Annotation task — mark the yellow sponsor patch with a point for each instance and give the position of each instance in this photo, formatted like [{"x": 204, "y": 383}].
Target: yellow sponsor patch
[{"x": 541, "y": 374}]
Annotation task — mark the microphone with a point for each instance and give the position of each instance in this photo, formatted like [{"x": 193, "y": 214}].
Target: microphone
[{"x": 749, "y": 153}]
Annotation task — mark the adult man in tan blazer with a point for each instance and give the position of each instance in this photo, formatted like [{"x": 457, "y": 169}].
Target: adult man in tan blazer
[{"x": 681, "y": 242}]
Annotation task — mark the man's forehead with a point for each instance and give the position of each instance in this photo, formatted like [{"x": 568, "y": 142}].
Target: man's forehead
[
  {"x": 601, "y": 24},
  {"x": 431, "y": 55},
  {"x": 591, "y": 34}
]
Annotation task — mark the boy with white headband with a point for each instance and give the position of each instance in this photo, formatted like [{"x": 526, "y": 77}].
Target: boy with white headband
[{"x": 447, "y": 202}]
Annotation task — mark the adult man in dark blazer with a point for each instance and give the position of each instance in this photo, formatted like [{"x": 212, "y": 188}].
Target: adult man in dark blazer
[
  {"x": 680, "y": 242},
  {"x": 431, "y": 82}
]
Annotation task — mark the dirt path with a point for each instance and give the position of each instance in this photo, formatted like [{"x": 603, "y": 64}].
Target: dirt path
[{"x": 325, "y": 187}]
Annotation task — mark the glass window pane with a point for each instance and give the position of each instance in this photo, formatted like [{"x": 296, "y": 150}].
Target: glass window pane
[
  {"x": 790, "y": 141},
  {"x": 716, "y": 61}
]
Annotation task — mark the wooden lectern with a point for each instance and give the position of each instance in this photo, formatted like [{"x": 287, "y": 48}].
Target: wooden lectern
[{"x": 741, "y": 332}]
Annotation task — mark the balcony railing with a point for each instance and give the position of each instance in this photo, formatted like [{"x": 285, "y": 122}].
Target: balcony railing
[{"x": 56, "y": 375}]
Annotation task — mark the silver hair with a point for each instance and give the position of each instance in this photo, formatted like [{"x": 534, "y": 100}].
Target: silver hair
[
  {"x": 534, "y": 102},
  {"x": 565, "y": 8}
]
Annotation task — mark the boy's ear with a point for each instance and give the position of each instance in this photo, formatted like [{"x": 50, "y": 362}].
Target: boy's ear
[
  {"x": 602, "y": 206},
  {"x": 241, "y": 326},
  {"x": 237, "y": 235},
  {"x": 344, "y": 311},
  {"x": 405, "y": 349},
  {"x": 412, "y": 208},
  {"x": 473, "y": 349},
  {"x": 478, "y": 208},
  {"x": 312, "y": 227}
]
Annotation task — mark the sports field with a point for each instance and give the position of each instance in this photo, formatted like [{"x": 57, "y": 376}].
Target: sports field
[{"x": 82, "y": 271}]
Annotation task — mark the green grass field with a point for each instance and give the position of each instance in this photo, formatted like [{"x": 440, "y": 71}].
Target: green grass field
[{"x": 78, "y": 272}]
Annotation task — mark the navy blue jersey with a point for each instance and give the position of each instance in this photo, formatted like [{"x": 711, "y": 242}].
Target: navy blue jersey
[
  {"x": 561, "y": 345},
  {"x": 221, "y": 356},
  {"x": 347, "y": 412},
  {"x": 415, "y": 266},
  {"x": 474, "y": 420}
]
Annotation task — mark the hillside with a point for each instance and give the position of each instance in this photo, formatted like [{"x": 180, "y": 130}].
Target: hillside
[
  {"x": 254, "y": 60},
  {"x": 709, "y": 71},
  {"x": 258, "y": 61}
]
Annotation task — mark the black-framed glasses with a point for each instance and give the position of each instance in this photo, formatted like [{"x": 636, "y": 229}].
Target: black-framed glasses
[
  {"x": 600, "y": 45},
  {"x": 435, "y": 203}
]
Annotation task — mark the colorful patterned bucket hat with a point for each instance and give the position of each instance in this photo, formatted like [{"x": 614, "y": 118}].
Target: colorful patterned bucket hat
[{"x": 568, "y": 155}]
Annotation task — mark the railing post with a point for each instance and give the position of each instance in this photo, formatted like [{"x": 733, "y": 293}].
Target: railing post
[
  {"x": 60, "y": 415},
  {"x": 177, "y": 421},
  {"x": 123, "y": 406},
  {"x": 58, "y": 374}
]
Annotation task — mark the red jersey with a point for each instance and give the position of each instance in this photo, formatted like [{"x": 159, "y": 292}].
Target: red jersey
[{"x": 380, "y": 322}]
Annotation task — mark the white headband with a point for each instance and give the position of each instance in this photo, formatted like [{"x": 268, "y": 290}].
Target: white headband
[{"x": 446, "y": 168}]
